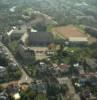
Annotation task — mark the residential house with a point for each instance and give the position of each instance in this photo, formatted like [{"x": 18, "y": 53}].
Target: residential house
[
  {"x": 25, "y": 52},
  {"x": 3, "y": 71}
]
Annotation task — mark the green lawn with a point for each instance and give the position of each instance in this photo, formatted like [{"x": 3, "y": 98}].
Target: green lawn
[{"x": 41, "y": 97}]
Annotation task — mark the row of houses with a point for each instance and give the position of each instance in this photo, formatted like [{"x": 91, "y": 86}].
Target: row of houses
[
  {"x": 51, "y": 88},
  {"x": 6, "y": 61}
]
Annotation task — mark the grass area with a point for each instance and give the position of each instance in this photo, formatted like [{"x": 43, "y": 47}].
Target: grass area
[
  {"x": 28, "y": 10},
  {"x": 49, "y": 28},
  {"x": 58, "y": 37},
  {"x": 13, "y": 46},
  {"x": 81, "y": 28},
  {"x": 44, "y": 97},
  {"x": 70, "y": 49},
  {"x": 31, "y": 70},
  {"x": 41, "y": 97}
]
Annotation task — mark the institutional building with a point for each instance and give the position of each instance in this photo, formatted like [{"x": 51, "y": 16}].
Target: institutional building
[{"x": 40, "y": 38}]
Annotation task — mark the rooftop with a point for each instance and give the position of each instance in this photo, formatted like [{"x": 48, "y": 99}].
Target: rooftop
[
  {"x": 40, "y": 37},
  {"x": 2, "y": 68}
]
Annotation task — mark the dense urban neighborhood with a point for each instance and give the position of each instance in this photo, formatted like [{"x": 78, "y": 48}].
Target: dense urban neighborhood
[{"x": 44, "y": 58}]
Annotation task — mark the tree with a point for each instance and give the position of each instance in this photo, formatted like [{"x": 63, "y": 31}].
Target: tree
[
  {"x": 1, "y": 88},
  {"x": 40, "y": 27}
]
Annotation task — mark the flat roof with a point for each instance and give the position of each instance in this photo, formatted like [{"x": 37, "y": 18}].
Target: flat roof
[
  {"x": 69, "y": 31},
  {"x": 78, "y": 39}
]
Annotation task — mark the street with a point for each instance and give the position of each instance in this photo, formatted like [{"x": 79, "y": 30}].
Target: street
[{"x": 25, "y": 77}]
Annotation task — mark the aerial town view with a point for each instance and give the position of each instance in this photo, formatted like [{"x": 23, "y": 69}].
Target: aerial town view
[{"x": 48, "y": 49}]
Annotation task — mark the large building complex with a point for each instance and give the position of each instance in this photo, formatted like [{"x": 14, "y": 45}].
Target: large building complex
[{"x": 40, "y": 38}]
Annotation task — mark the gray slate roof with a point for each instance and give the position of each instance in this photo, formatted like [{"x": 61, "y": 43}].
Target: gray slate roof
[{"x": 41, "y": 37}]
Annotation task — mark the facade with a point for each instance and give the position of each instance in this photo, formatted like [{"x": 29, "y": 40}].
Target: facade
[{"x": 25, "y": 52}]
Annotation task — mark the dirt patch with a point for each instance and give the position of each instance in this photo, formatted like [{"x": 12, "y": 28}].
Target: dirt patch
[{"x": 69, "y": 31}]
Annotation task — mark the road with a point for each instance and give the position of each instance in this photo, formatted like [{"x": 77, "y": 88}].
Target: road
[
  {"x": 25, "y": 77},
  {"x": 71, "y": 95}
]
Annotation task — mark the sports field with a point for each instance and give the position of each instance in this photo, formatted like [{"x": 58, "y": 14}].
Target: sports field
[{"x": 69, "y": 31}]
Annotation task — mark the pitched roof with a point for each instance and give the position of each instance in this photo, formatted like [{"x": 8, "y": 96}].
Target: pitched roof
[{"x": 41, "y": 37}]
